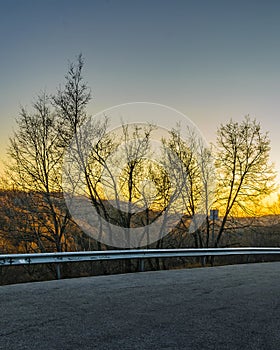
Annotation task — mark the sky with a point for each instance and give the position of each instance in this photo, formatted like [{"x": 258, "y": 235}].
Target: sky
[{"x": 211, "y": 60}]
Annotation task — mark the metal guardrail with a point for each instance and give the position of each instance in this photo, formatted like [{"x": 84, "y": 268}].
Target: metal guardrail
[{"x": 47, "y": 258}]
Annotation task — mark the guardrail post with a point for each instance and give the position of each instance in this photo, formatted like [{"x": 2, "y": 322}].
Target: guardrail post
[
  {"x": 203, "y": 261},
  {"x": 58, "y": 271},
  {"x": 141, "y": 265}
]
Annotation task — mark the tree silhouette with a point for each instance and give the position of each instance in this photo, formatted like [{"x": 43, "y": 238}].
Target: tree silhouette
[{"x": 244, "y": 173}]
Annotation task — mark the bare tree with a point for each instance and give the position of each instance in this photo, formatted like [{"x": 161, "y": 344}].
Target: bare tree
[
  {"x": 71, "y": 101},
  {"x": 109, "y": 172},
  {"x": 244, "y": 173},
  {"x": 36, "y": 156},
  {"x": 192, "y": 162}
]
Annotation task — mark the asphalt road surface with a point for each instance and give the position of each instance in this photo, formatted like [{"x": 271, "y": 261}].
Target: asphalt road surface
[{"x": 231, "y": 307}]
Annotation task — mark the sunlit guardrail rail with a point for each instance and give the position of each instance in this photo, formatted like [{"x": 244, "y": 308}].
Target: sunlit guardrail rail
[{"x": 47, "y": 258}]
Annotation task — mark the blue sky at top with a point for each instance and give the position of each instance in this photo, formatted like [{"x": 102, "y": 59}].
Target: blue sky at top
[{"x": 212, "y": 60}]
